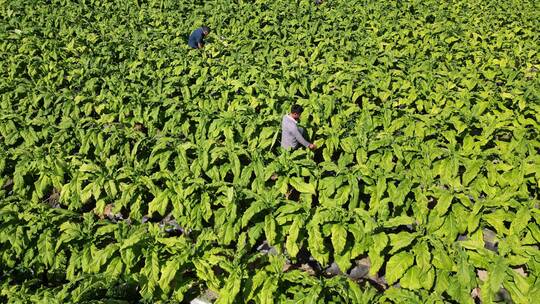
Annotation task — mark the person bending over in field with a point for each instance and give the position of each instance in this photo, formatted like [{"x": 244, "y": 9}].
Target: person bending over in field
[
  {"x": 291, "y": 134},
  {"x": 196, "y": 38}
]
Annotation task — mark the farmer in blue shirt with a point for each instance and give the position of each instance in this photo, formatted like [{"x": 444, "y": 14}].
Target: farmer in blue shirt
[{"x": 196, "y": 38}]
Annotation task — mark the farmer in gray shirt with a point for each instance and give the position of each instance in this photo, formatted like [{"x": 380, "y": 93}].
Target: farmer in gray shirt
[{"x": 291, "y": 134}]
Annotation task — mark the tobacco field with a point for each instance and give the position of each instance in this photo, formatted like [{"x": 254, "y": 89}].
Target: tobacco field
[{"x": 134, "y": 169}]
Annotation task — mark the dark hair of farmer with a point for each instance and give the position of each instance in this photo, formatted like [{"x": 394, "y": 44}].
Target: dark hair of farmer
[
  {"x": 296, "y": 112},
  {"x": 297, "y": 109},
  {"x": 206, "y": 30}
]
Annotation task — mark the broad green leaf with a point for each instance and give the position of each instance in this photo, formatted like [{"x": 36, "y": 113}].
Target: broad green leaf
[
  {"x": 412, "y": 278},
  {"x": 401, "y": 240},
  {"x": 70, "y": 231},
  {"x": 497, "y": 274},
  {"x": 475, "y": 242},
  {"x": 232, "y": 286},
  {"x": 399, "y": 221},
  {"x": 520, "y": 221},
  {"x": 292, "y": 238},
  {"x": 316, "y": 244},
  {"x": 471, "y": 171},
  {"x": 422, "y": 255},
  {"x": 159, "y": 203},
  {"x": 46, "y": 248},
  {"x": 441, "y": 259},
  {"x": 133, "y": 239},
  {"x": 301, "y": 186},
  {"x": 255, "y": 208},
  {"x": 380, "y": 241},
  {"x": 100, "y": 257},
  {"x": 517, "y": 294},
  {"x": 267, "y": 294},
  {"x": 270, "y": 229},
  {"x": 343, "y": 261},
  {"x": 151, "y": 272},
  {"x": 444, "y": 203},
  {"x": 168, "y": 273},
  {"x": 427, "y": 278},
  {"x": 115, "y": 267},
  {"x": 339, "y": 238},
  {"x": 465, "y": 271},
  {"x": 496, "y": 220},
  {"x": 256, "y": 281},
  {"x": 522, "y": 283},
  {"x": 397, "y": 265}
]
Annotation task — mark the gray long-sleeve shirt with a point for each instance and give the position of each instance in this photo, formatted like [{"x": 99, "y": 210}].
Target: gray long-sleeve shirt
[{"x": 290, "y": 134}]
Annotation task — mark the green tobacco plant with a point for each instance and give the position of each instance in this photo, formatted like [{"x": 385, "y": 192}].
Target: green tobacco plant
[{"x": 136, "y": 169}]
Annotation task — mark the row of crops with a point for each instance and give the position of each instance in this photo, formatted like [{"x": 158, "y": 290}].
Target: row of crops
[{"x": 133, "y": 169}]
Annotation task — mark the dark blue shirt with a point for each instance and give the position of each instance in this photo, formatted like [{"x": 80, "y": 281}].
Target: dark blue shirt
[{"x": 195, "y": 38}]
